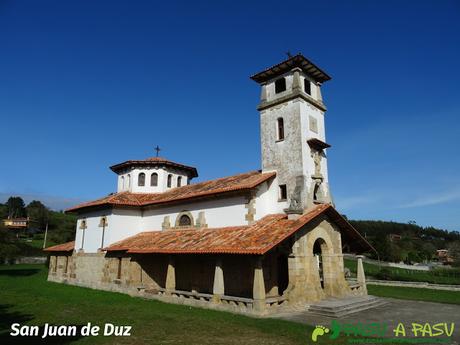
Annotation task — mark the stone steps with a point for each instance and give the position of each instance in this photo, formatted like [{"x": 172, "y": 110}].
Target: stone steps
[{"x": 334, "y": 307}]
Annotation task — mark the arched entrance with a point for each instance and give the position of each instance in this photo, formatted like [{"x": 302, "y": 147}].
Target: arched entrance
[{"x": 320, "y": 249}]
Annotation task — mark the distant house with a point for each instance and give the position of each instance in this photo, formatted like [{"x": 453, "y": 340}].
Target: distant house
[
  {"x": 16, "y": 223},
  {"x": 394, "y": 237},
  {"x": 443, "y": 256}
]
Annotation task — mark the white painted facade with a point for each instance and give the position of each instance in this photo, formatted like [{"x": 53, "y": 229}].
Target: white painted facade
[
  {"x": 218, "y": 212},
  {"x": 128, "y": 181}
]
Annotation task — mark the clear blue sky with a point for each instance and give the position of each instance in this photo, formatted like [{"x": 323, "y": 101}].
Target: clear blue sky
[{"x": 86, "y": 84}]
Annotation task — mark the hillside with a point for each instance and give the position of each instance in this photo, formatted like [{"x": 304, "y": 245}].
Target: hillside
[{"x": 415, "y": 244}]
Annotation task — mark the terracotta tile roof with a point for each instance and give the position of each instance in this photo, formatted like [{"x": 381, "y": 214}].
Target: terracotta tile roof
[
  {"x": 154, "y": 161},
  {"x": 257, "y": 238},
  {"x": 63, "y": 247},
  {"x": 222, "y": 185}
]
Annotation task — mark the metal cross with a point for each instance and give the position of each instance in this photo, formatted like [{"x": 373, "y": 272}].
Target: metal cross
[
  {"x": 158, "y": 149},
  {"x": 288, "y": 53}
]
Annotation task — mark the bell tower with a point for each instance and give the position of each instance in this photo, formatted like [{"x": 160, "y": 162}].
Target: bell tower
[{"x": 292, "y": 131}]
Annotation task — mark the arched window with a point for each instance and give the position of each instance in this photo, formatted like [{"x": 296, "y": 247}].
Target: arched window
[
  {"x": 154, "y": 180},
  {"x": 129, "y": 181},
  {"x": 179, "y": 181},
  {"x": 280, "y": 85},
  {"x": 185, "y": 220},
  {"x": 141, "y": 180},
  {"x": 169, "y": 181},
  {"x": 280, "y": 128},
  {"x": 307, "y": 86},
  {"x": 122, "y": 183}
]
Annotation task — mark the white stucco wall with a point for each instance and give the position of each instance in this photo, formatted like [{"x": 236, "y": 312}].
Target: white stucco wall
[
  {"x": 218, "y": 213},
  {"x": 123, "y": 223},
  {"x": 267, "y": 197},
  {"x": 93, "y": 233},
  {"x": 162, "y": 186}
]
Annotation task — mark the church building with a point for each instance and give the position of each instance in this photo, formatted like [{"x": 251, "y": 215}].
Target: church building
[{"x": 256, "y": 242}]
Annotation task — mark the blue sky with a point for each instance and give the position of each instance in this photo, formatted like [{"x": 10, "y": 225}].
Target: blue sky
[{"x": 86, "y": 84}]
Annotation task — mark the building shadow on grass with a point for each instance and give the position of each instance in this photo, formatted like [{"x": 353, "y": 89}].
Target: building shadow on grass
[
  {"x": 19, "y": 272},
  {"x": 8, "y": 317}
]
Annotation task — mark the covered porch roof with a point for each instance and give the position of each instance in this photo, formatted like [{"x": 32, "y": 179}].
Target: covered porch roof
[
  {"x": 257, "y": 238},
  {"x": 63, "y": 247}
]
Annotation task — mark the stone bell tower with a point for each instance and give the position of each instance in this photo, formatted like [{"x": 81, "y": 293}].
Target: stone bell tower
[{"x": 292, "y": 131}]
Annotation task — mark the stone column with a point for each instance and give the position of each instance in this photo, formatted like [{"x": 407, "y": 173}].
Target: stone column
[
  {"x": 296, "y": 86},
  {"x": 360, "y": 274},
  {"x": 318, "y": 92},
  {"x": 263, "y": 94},
  {"x": 170, "y": 276},
  {"x": 218, "y": 288},
  {"x": 258, "y": 291}
]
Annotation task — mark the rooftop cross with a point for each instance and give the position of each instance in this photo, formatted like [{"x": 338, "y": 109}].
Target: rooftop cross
[
  {"x": 288, "y": 53},
  {"x": 157, "y": 149}
]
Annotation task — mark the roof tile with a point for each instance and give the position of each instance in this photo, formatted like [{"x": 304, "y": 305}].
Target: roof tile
[
  {"x": 257, "y": 238},
  {"x": 222, "y": 185}
]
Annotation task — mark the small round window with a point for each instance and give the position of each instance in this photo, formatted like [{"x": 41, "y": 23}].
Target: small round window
[{"x": 185, "y": 220}]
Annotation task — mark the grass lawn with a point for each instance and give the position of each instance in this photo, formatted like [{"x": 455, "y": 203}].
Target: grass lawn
[
  {"x": 27, "y": 298},
  {"x": 437, "y": 276},
  {"x": 429, "y": 295}
]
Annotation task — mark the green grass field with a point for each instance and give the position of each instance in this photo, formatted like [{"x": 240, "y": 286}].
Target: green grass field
[
  {"x": 437, "y": 276},
  {"x": 428, "y": 295},
  {"x": 27, "y": 298}
]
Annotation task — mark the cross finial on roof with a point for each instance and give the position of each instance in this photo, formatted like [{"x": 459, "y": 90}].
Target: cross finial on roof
[
  {"x": 288, "y": 53},
  {"x": 157, "y": 149}
]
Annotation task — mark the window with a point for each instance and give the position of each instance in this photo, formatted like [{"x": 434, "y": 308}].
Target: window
[
  {"x": 103, "y": 222},
  {"x": 280, "y": 85},
  {"x": 122, "y": 183},
  {"x": 185, "y": 220},
  {"x": 141, "y": 180},
  {"x": 55, "y": 263},
  {"x": 179, "y": 181},
  {"x": 154, "y": 180},
  {"x": 316, "y": 192},
  {"x": 307, "y": 86},
  {"x": 129, "y": 181},
  {"x": 83, "y": 224},
  {"x": 169, "y": 181},
  {"x": 280, "y": 128},
  {"x": 283, "y": 192}
]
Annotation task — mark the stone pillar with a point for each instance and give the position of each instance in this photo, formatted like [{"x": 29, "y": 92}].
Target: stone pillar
[
  {"x": 263, "y": 94},
  {"x": 170, "y": 276},
  {"x": 258, "y": 291},
  {"x": 296, "y": 86},
  {"x": 218, "y": 288},
  {"x": 318, "y": 92},
  {"x": 360, "y": 274}
]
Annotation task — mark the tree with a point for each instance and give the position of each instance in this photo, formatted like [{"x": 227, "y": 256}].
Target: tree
[
  {"x": 38, "y": 214},
  {"x": 16, "y": 207},
  {"x": 8, "y": 248},
  {"x": 454, "y": 252}
]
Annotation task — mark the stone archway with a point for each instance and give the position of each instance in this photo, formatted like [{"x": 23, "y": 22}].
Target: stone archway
[{"x": 319, "y": 247}]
